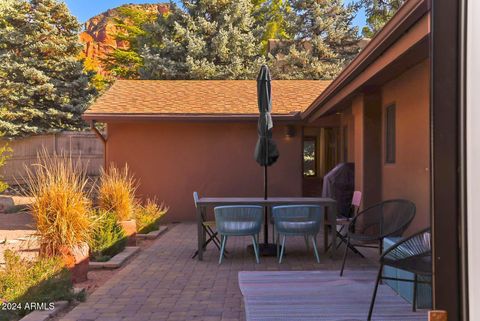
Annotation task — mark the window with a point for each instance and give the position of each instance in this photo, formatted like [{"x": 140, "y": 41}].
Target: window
[
  {"x": 310, "y": 156},
  {"x": 390, "y": 135}
]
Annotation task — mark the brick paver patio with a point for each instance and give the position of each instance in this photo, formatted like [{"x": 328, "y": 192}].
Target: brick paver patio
[{"x": 164, "y": 283}]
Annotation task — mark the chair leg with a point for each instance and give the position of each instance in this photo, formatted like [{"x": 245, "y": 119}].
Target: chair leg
[
  {"x": 306, "y": 242},
  {"x": 414, "y": 301},
  {"x": 255, "y": 248},
  {"x": 314, "y": 242},
  {"x": 222, "y": 250},
  {"x": 213, "y": 237},
  {"x": 278, "y": 245},
  {"x": 345, "y": 256},
  {"x": 325, "y": 237},
  {"x": 282, "y": 250},
  {"x": 379, "y": 277}
]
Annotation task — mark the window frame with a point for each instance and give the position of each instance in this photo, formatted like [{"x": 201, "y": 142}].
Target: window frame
[{"x": 315, "y": 141}]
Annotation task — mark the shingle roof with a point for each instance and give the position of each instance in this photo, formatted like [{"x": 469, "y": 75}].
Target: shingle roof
[{"x": 202, "y": 97}]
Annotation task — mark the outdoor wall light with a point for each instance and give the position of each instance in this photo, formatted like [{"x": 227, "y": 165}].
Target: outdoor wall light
[{"x": 290, "y": 131}]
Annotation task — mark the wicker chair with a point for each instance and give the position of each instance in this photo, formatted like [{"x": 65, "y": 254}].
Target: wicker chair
[
  {"x": 412, "y": 254},
  {"x": 297, "y": 220},
  {"x": 241, "y": 220},
  {"x": 372, "y": 225}
]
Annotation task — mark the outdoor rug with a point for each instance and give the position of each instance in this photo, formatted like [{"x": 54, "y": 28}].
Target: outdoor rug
[{"x": 320, "y": 295}]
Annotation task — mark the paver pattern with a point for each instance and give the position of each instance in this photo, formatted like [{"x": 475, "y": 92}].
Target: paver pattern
[{"x": 165, "y": 283}]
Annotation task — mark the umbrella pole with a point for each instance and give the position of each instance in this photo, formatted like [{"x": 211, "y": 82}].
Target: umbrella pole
[{"x": 265, "y": 190}]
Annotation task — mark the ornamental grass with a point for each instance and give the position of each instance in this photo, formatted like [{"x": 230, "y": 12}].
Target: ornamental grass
[
  {"x": 61, "y": 205},
  {"x": 148, "y": 216},
  {"x": 116, "y": 192}
]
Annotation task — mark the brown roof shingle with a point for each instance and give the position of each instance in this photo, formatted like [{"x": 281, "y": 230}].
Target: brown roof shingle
[{"x": 201, "y": 97}]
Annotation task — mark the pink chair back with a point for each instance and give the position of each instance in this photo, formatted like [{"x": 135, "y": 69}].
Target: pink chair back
[{"x": 356, "y": 201}]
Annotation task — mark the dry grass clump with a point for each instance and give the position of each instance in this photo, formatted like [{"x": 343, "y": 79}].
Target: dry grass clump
[
  {"x": 61, "y": 206},
  {"x": 148, "y": 216},
  {"x": 116, "y": 192}
]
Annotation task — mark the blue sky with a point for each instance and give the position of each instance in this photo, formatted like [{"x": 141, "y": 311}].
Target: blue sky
[{"x": 85, "y": 9}]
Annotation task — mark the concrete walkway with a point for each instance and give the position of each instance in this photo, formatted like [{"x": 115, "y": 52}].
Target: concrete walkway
[{"x": 164, "y": 283}]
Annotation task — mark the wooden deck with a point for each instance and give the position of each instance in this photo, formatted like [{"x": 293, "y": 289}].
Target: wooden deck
[{"x": 319, "y": 295}]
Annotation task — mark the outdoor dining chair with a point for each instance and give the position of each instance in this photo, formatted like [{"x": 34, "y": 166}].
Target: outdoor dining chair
[
  {"x": 239, "y": 220},
  {"x": 344, "y": 221},
  {"x": 372, "y": 225},
  {"x": 297, "y": 220},
  {"x": 208, "y": 227},
  {"x": 412, "y": 254}
]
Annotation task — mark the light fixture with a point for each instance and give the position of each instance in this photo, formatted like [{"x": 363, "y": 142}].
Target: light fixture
[{"x": 290, "y": 131}]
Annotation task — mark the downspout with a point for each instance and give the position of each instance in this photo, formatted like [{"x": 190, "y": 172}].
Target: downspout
[{"x": 104, "y": 141}]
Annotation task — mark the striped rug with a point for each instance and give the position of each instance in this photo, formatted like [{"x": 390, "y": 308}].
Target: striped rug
[{"x": 320, "y": 295}]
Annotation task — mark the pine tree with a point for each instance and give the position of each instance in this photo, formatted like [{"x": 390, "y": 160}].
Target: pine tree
[
  {"x": 126, "y": 62},
  {"x": 324, "y": 40},
  {"x": 210, "y": 39},
  {"x": 43, "y": 87},
  {"x": 270, "y": 17},
  {"x": 378, "y": 13}
]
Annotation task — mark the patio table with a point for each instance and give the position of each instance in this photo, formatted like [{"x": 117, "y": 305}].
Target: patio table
[{"x": 330, "y": 206}]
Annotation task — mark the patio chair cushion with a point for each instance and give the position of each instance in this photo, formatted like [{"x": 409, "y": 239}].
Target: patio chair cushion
[
  {"x": 302, "y": 227},
  {"x": 239, "y": 228}
]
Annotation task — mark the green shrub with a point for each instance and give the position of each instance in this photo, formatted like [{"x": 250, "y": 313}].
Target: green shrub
[
  {"x": 45, "y": 280},
  {"x": 108, "y": 237},
  {"x": 5, "y": 153},
  {"x": 148, "y": 216}
]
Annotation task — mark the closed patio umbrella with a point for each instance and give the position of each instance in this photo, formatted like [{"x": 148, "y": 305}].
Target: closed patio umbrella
[{"x": 266, "y": 152}]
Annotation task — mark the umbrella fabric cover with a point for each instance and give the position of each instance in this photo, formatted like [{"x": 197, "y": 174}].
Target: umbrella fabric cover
[
  {"x": 266, "y": 152},
  {"x": 339, "y": 184}
]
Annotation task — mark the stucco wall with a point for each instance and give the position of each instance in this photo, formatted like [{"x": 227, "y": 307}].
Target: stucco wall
[
  {"x": 171, "y": 160},
  {"x": 409, "y": 177}
]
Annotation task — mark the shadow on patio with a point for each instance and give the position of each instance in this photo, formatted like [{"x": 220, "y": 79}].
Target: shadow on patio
[{"x": 164, "y": 283}]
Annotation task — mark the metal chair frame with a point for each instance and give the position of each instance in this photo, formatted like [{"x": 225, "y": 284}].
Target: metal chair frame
[
  {"x": 345, "y": 221},
  {"x": 206, "y": 225},
  {"x": 375, "y": 238},
  {"x": 416, "y": 273}
]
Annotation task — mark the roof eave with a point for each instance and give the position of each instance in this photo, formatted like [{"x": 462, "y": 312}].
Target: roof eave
[
  {"x": 405, "y": 18},
  {"x": 121, "y": 117}
]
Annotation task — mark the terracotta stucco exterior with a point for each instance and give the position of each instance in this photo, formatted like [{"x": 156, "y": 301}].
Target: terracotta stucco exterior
[
  {"x": 171, "y": 160},
  {"x": 409, "y": 176}
]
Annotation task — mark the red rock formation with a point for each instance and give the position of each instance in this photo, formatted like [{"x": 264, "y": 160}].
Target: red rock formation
[{"x": 98, "y": 38}]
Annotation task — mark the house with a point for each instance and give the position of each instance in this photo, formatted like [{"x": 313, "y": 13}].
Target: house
[
  {"x": 404, "y": 111},
  {"x": 183, "y": 136}
]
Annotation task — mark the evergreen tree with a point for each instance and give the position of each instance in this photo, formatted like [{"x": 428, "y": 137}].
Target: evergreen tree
[
  {"x": 324, "y": 40},
  {"x": 126, "y": 62},
  {"x": 270, "y": 17},
  {"x": 210, "y": 39},
  {"x": 378, "y": 13},
  {"x": 43, "y": 87}
]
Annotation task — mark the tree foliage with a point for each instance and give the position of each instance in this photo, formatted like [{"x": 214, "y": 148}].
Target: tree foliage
[
  {"x": 324, "y": 40},
  {"x": 208, "y": 39},
  {"x": 271, "y": 16},
  {"x": 43, "y": 86},
  {"x": 125, "y": 62},
  {"x": 378, "y": 13}
]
